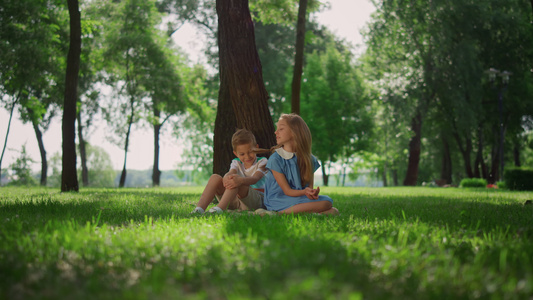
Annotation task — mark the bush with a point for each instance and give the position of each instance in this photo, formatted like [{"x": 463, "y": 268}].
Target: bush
[
  {"x": 519, "y": 179},
  {"x": 501, "y": 185},
  {"x": 473, "y": 182}
]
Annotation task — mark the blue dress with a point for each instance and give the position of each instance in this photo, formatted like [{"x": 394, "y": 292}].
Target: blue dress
[{"x": 286, "y": 163}]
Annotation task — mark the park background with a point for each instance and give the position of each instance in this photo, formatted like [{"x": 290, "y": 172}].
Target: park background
[
  {"x": 416, "y": 104},
  {"x": 459, "y": 138}
]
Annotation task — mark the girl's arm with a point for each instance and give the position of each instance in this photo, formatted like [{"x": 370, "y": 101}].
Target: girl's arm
[{"x": 284, "y": 185}]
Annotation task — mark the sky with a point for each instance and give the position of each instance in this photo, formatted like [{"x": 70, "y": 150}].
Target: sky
[{"x": 345, "y": 18}]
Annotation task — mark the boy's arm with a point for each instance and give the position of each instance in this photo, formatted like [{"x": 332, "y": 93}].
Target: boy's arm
[
  {"x": 230, "y": 172},
  {"x": 254, "y": 178},
  {"x": 239, "y": 181},
  {"x": 251, "y": 180}
]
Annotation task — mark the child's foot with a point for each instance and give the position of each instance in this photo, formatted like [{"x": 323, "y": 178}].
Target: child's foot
[
  {"x": 262, "y": 212},
  {"x": 332, "y": 211},
  {"x": 215, "y": 210},
  {"x": 198, "y": 210}
]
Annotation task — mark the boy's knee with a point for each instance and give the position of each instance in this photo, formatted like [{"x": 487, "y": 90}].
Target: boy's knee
[{"x": 215, "y": 177}]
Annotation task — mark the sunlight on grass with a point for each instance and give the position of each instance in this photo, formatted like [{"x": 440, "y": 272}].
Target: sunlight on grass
[{"x": 386, "y": 243}]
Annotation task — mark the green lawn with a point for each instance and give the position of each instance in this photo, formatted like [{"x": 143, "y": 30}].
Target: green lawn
[{"x": 387, "y": 243}]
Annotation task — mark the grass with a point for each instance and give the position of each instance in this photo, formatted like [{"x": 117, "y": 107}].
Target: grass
[{"x": 387, "y": 243}]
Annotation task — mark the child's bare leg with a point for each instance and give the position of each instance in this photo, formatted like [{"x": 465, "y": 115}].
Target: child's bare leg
[
  {"x": 214, "y": 187},
  {"x": 315, "y": 206},
  {"x": 230, "y": 196}
]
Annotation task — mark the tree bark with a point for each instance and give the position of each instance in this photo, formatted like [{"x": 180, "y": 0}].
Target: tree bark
[
  {"x": 122, "y": 181},
  {"x": 465, "y": 150},
  {"x": 516, "y": 154},
  {"x": 414, "y": 151},
  {"x": 480, "y": 168},
  {"x": 69, "y": 177},
  {"x": 384, "y": 175},
  {"x": 83, "y": 154},
  {"x": 42, "y": 151},
  {"x": 298, "y": 58},
  {"x": 242, "y": 99},
  {"x": 495, "y": 160},
  {"x": 156, "y": 173},
  {"x": 325, "y": 176}
]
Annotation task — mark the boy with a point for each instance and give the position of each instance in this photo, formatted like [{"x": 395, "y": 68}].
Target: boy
[{"x": 241, "y": 188}]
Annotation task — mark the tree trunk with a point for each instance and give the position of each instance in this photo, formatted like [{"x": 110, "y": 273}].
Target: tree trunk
[
  {"x": 384, "y": 175},
  {"x": 242, "y": 98},
  {"x": 465, "y": 150},
  {"x": 7, "y": 134},
  {"x": 414, "y": 151},
  {"x": 494, "y": 173},
  {"x": 446, "y": 168},
  {"x": 480, "y": 168},
  {"x": 122, "y": 181},
  {"x": 298, "y": 58},
  {"x": 325, "y": 176},
  {"x": 42, "y": 151},
  {"x": 156, "y": 173},
  {"x": 516, "y": 154},
  {"x": 69, "y": 177},
  {"x": 83, "y": 153},
  {"x": 344, "y": 176},
  {"x": 395, "y": 177}
]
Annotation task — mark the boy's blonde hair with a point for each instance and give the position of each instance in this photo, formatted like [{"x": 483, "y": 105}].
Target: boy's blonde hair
[
  {"x": 302, "y": 143},
  {"x": 243, "y": 137}
]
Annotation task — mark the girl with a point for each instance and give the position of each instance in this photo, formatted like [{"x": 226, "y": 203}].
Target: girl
[{"x": 289, "y": 184}]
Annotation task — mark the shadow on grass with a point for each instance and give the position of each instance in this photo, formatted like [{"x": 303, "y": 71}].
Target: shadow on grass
[{"x": 111, "y": 207}]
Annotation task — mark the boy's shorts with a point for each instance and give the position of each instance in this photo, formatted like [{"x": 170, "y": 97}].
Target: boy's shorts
[{"x": 252, "y": 201}]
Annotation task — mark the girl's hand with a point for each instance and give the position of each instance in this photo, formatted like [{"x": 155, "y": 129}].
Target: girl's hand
[
  {"x": 317, "y": 191},
  {"x": 311, "y": 193}
]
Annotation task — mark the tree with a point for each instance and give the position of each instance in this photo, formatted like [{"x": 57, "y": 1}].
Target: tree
[
  {"x": 164, "y": 85},
  {"x": 444, "y": 87},
  {"x": 31, "y": 62},
  {"x": 243, "y": 99},
  {"x": 21, "y": 168},
  {"x": 69, "y": 177},
  {"x": 337, "y": 107},
  {"x": 90, "y": 78},
  {"x": 99, "y": 166},
  {"x": 129, "y": 39},
  {"x": 201, "y": 89},
  {"x": 7, "y": 135},
  {"x": 298, "y": 58}
]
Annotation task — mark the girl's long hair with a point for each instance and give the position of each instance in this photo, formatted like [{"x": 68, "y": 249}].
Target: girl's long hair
[{"x": 302, "y": 143}]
